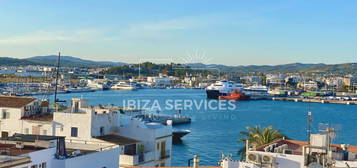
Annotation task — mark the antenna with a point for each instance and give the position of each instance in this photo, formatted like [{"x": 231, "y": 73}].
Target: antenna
[
  {"x": 330, "y": 129},
  {"x": 57, "y": 75},
  {"x": 309, "y": 125}
]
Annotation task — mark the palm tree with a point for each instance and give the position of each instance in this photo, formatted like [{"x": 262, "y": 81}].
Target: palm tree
[{"x": 258, "y": 136}]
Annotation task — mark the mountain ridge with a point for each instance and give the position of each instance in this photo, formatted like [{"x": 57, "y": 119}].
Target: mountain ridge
[{"x": 71, "y": 61}]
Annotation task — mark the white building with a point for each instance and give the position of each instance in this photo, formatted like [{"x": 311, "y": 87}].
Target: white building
[
  {"x": 159, "y": 81},
  {"x": 38, "y": 151},
  {"x": 140, "y": 143},
  {"x": 308, "y": 85},
  {"x": 275, "y": 79}
]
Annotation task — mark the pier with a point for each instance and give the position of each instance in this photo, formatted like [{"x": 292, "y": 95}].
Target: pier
[{"x": 316, "y": 100}]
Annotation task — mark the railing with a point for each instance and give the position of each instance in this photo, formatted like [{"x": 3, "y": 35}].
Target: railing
[{"x": 133, "y": 160}]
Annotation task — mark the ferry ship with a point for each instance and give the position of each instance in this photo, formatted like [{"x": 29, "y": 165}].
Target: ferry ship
[
  {"x": 222, "y": 88},
  {"x": 256, "y": 91},
  {"x": 124, "y": 86}
]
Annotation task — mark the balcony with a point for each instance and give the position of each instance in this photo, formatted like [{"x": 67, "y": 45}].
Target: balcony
[
  {"x": 165, "y": 154},
  {"x": 134, "y": 160}
]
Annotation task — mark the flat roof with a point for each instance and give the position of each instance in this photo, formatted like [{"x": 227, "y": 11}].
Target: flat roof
[
  {"x": 15, "y": 101},
  {"x": 31, "y": 137},
  {"x": 11, "y": 150},
  {"x": 11, "y": 161},
  {"x": 46, "y": 117},
  {"x": 117, "y": 139}
]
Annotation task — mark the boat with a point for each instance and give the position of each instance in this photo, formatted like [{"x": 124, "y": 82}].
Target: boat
[
  {"x": 124, "y": 86},
  {"x": 235, "y": 95},
  {"x": 178, "y": 134},
  {"x": 176, "y": 119},
  {"x": 80, "y": 90},
  {"x": 222, "y": 88},
  {"x": 256, "y": 91},
  {"x": 97, "y": 85}
]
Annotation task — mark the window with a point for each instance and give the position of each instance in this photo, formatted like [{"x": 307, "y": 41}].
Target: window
[
  {"x": 27, "y": 130},
  {"x": 101, "y": 131},
  {"x": 74, "y": 132},
  {"x": 4, "y": 134},
  {"x": 43, "y": 165},
  {"x": 44, "y": 132},
  {"x": 5, "y": 114}
]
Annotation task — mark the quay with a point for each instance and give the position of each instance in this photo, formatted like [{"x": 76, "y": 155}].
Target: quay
[{"x": 316, "y": 100}]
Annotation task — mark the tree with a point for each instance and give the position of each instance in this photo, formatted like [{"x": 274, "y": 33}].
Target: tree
[{"x": 258, "y": 136}]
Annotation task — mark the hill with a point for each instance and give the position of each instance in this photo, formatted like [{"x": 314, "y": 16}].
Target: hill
[{"x": 66, "y": 61}]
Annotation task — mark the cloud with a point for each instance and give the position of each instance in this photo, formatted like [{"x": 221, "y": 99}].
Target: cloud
[{"x": 50, "y": 36}]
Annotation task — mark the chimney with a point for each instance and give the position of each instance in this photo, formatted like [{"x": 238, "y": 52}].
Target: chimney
[{"x": 196, "y": 161}]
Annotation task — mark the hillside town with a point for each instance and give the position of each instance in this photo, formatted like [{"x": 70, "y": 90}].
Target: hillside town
[{"x": 39, "y": 80}]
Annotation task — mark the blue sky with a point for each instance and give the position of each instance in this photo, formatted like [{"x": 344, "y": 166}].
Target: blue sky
[{"x": 236, "y": 32}]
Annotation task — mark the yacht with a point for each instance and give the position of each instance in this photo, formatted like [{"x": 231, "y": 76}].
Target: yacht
[
  {"x": 97, "y": 85},
  {"x": 222, "y": 88},
  {"x": 124, "y": 86}
]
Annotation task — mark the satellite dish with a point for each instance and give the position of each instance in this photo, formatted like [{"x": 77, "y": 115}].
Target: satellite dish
[{"x": 314, "y": 165}]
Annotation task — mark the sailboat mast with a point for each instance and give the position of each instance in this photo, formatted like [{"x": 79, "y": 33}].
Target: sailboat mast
[{"x": 57, "y": 75}]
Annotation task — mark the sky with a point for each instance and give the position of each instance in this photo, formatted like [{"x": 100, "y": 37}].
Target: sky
[{"x": 230, "y": 32}]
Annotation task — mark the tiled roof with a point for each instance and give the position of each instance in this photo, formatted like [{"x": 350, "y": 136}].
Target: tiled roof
[{"x": 15, "y": 102}]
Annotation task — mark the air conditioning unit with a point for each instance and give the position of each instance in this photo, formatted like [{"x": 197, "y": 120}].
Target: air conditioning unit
[
  {"x": 19, "y": 145},
  {"x": 267, "y": 159},
  {"x": 253, "y": 157}
]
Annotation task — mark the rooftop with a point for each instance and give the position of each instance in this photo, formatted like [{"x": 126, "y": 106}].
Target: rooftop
[
  {"x": 12, "y": 161},
  {"x": 30, "y": 138},
  {"x": 39, "y": 117},
  {"x": 15, "y": 101},
  {"x": 296, "y": 146},
  {"x": 11, "y": 150},
  {"x": 117, "y": 139}
]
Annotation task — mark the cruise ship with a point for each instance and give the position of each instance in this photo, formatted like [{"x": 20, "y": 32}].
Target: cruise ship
[{"x": 222, "y": 88}]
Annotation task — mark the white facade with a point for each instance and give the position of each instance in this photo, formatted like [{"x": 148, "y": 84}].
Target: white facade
[
  {"x": 83, "y": 126},
  {"x": 156, "y": 138}
]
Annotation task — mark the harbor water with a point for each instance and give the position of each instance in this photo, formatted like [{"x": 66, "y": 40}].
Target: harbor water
[{"x": 215, "y": 130}]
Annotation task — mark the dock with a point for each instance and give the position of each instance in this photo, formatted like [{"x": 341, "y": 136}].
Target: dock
[{"x": 315, "y": 100}]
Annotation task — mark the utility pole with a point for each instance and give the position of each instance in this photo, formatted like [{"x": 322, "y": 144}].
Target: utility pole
[{"x": 309, "y": 123}]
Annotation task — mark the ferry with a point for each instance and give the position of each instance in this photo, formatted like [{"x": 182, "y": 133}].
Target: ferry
[
  {"x": 222, "y": 88},
  {"x": 256, "y": 91},
  {"x": 124, "y": 86}
]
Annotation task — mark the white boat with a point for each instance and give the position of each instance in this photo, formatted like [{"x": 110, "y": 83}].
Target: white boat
[
  {"x": 256, "y": 90},
  {"x": 222, "y": 88},
  {"x": 96, "y": 85},
  {"x": 124, "y": 86},
  {"x": 80, "y": 89}
]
